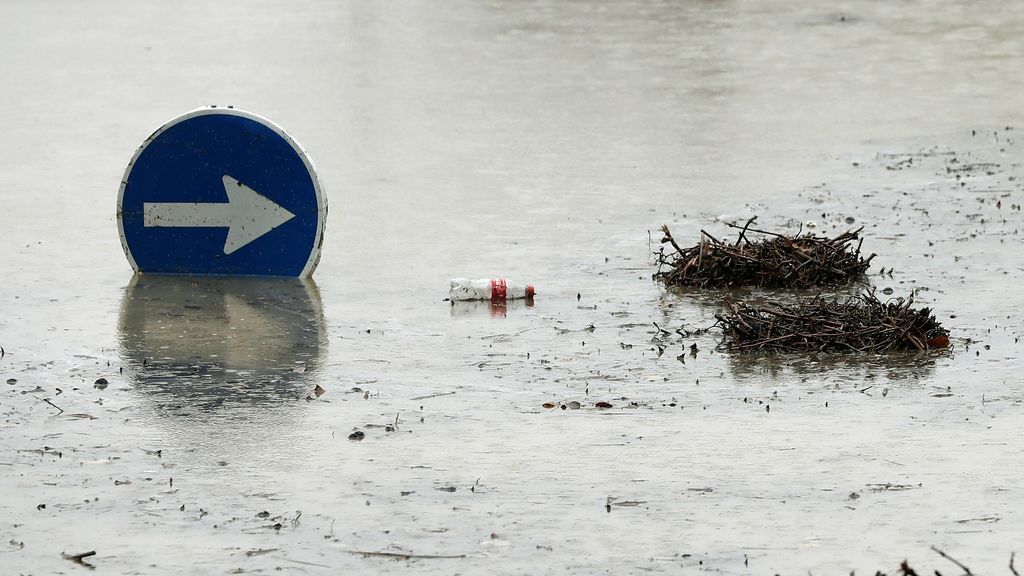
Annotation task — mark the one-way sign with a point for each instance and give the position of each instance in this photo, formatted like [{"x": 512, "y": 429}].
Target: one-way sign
[{"x": 219, "y": 191}]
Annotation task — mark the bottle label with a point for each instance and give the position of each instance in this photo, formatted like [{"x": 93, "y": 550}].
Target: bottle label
[{"x": 499, "y": 289}]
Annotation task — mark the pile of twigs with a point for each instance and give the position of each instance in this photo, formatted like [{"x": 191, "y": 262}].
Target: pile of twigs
[
  {"x": 779, "y": 261},
  {"x": 858, "y": 324}
]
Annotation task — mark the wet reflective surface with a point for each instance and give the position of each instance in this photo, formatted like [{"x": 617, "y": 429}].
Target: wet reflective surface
[
  {"x": 190, "y": 336},
  {"x": 539, "y": 141}
]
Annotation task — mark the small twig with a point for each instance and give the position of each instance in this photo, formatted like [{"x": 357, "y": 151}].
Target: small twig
[
  {"x": 1012, "y": 569},
  {"x": 731, "y": 225},
  {"x": 403, "y": 556},
  {"x": 713, "y": 239},
  {"x": 743, "y": 233},
  {"x": 47, "y": 400},
  {"x": 79, "y": 558},
  {"x": 953, "y": 560},
  {"x": 668, "y": 238},
  {"x": 260, "y": 551},
  {"x": 434, "y": 395},
  {"x": 303, "y": 562}
]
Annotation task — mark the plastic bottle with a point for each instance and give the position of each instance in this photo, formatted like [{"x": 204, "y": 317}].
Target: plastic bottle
[{"x": 485, "y": 289}]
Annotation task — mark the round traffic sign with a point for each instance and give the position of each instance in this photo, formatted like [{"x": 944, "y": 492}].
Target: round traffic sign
[{"x": 220, "y": 191}]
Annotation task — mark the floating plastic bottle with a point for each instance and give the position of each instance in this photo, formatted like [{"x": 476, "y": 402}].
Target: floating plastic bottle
[{"x": 496, "y": 290}]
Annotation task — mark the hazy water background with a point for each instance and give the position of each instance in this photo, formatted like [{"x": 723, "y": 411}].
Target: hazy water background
[{"x": 541, "y": 141}]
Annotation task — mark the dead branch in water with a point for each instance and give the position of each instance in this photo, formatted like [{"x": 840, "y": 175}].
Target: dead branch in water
[
  {"x": 859, "y": 324},
  {"x": 780, "y": 261}
]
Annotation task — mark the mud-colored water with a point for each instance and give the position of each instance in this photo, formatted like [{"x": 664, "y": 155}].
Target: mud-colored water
[{"x": 541, "y": 141}]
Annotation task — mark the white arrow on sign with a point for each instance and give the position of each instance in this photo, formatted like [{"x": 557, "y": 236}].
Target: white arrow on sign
[{"x": 247, "y": 215}]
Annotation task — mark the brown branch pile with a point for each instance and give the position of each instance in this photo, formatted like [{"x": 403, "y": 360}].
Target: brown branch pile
[
  {"x": 779, "y": 261},
  {"x": 859, "y": 324}
]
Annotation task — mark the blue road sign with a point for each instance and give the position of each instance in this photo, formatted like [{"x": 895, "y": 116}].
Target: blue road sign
[{"x": 219, "y": 191}]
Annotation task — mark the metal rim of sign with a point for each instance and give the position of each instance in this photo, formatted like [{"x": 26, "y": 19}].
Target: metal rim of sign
[{"x": 321, "y": 200}]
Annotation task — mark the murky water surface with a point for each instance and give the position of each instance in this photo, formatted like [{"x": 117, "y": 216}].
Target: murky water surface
[{"x": 540, "y": 141}]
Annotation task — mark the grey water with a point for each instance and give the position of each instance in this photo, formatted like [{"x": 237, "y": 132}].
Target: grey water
[{"x": 544, "y": 142}]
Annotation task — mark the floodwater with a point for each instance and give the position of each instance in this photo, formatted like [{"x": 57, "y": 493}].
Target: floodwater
[{"x": 540, "y": 141}]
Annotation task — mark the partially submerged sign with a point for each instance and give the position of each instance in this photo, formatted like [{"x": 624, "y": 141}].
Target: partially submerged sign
[{"x": 219, "y": 191}]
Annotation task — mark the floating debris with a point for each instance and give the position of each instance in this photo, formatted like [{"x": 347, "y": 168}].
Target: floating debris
[
  {"x": 859, "y": 324},
  {"x": 260, "y": 551},
  {"x": 80, "y": 558},
  {"x": 780, "y": 261},
  {"x": 404, "y": 556}
]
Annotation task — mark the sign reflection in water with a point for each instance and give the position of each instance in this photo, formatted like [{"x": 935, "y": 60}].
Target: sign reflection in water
[{"x": 222, "y": 340}]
